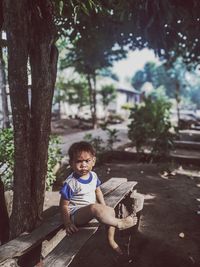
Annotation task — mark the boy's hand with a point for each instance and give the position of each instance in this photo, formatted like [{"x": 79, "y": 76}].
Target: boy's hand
[{"x": 71, "y": 228}]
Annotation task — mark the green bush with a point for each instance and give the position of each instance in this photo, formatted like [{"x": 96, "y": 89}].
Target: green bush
[
  {"x": 54, "y": 157},
  {"x": 7, "y": 158},
  {"x": 151, "y": 127},
  {"x": 97, "y": 142}
]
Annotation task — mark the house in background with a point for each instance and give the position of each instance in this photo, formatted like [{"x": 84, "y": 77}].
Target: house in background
[{"x": 125, "y": 97}]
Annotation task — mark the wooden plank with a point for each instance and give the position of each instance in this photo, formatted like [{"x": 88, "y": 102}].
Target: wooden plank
[
  {"x": 119, "y": 193},
  {"x": 21, "y": 244},
  {"x": 63, "y": 254},
  {"x": 9, "y": 263},
  {"x": 25, "y": 242},
  {"x": 112, "y": 184}
]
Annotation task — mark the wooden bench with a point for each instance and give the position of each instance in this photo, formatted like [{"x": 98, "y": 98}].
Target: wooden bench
[{"x": 64, "y": 248}]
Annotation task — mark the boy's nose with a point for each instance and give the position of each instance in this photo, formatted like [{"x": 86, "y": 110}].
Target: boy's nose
[{"x": 84, "y": 163}]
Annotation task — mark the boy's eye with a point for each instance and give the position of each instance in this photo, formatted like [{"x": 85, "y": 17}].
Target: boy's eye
[{"x": 81, "y": 161}]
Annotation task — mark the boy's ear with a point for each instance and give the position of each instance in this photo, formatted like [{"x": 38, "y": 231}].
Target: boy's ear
[
  {"x": 94, "y": 160},
  {"x": 70, "y": 163}
]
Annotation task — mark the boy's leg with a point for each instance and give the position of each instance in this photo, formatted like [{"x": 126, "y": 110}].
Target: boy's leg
[
  {"x": 104, "y": 214},
  {"x": 82, "y": 216},
  {"x": 111, "y": 240}
]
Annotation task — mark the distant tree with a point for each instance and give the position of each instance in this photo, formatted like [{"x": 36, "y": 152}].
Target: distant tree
[
  {"x": 88, "y": 57},
  {"x": 107, "y": 72},
  {"x": 108, "y": 94},
  {"x": 193, "y": 87},
  {"x": 138, "y": 79},
  {"x": 73, "y": 91}
]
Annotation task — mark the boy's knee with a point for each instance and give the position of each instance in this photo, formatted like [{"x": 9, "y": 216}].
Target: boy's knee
[{"x": 98, "y": 209}]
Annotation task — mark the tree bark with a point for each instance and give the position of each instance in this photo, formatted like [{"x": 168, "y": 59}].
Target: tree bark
[
  {"x": 92, "y": 97},
  {"x": 31, "y": 34},
  {"x": 43, "y": 61},
  {"x": 94, "y": 102},
  {"x": 16, "y": 19}
]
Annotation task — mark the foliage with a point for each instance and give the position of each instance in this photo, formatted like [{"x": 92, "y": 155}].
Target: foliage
[
  {"x": 7, "y": 158},
  {"x": 108, "y": 94},
  {"x": 168, "y": 27},
  {"x": 54, "y": 157},
  {"x": 99, "y": 144},
  {"x": 167, "y": 76},
  {"x": 112, "y": 136},
  {"x": 92, "y": 49},
  {"x": 150, "y": 126},
  {"x": 96, "y": 142},
  {"x": 127, "y": 106},
  {"x": 73, "y": 91},
  {"x": 157, "y": 75},
  {"x": 138, "y": 79},
  {"x": 107, "y": 72},
  {"x": 159, "y": 93}
]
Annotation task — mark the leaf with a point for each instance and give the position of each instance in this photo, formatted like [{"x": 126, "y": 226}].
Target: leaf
[{"x": 85, "y": 9}]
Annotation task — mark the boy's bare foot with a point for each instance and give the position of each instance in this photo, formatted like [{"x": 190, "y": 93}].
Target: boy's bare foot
[
  {"x": 127, "y": 222},
  {"x": 116, "y": 247}
]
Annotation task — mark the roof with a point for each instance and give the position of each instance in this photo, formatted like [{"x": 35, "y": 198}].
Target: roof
[{"x": 129, "y": 90}]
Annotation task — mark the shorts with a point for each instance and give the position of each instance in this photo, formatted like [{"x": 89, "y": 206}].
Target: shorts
[
  {"x": 72, "y": 217},
  {"x": 72, "y": 214}
]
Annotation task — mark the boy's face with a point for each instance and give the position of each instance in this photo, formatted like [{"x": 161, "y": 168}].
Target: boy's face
[{"x": 83, "y": 163}]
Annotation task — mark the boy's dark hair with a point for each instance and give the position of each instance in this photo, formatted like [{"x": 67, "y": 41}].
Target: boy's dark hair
[{"x": 79, "y": 147}]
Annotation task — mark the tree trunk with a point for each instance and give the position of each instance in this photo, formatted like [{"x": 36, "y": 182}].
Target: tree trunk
[
  {"x": 16, "y": 19},
  {"x": 43, "y": 60},
  {"x": 30, "y": 32},
  {"x": 94, "y": 103},
  {"x": 92, "y": 97},
  {"x": 5, "y": 111}
]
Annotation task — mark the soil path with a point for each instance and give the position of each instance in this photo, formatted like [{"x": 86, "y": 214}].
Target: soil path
[{"x": 169, "y": 233}]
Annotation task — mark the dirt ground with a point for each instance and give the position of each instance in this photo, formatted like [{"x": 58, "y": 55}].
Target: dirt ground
[{"x": 169, "y": 231}]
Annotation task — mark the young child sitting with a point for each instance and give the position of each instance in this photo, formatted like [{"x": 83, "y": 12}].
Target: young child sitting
[{"x": 81, "y": 197}]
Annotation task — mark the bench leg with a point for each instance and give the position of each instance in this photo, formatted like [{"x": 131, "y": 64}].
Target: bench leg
[{"x": 131, "y": 204}]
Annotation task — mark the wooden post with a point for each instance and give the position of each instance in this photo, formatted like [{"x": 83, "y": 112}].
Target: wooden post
[{"x": 131, "y": 204}]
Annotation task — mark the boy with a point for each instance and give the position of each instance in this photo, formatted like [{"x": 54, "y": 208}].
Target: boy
[{"x": 82, "y": 199}]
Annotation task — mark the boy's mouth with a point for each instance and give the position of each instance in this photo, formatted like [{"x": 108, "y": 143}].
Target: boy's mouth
[{"x": 84, "y": 170}]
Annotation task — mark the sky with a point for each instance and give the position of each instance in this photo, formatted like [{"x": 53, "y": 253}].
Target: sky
[{"x": 135, "y": 61}]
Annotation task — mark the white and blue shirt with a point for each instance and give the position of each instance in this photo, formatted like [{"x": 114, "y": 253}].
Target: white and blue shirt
[{"x": 80, "y": 192}]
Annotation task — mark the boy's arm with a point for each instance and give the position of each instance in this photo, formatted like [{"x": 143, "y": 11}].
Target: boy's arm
[
  {"x": 69, "y": 226},
  {"x": 99, "y": 196}
]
